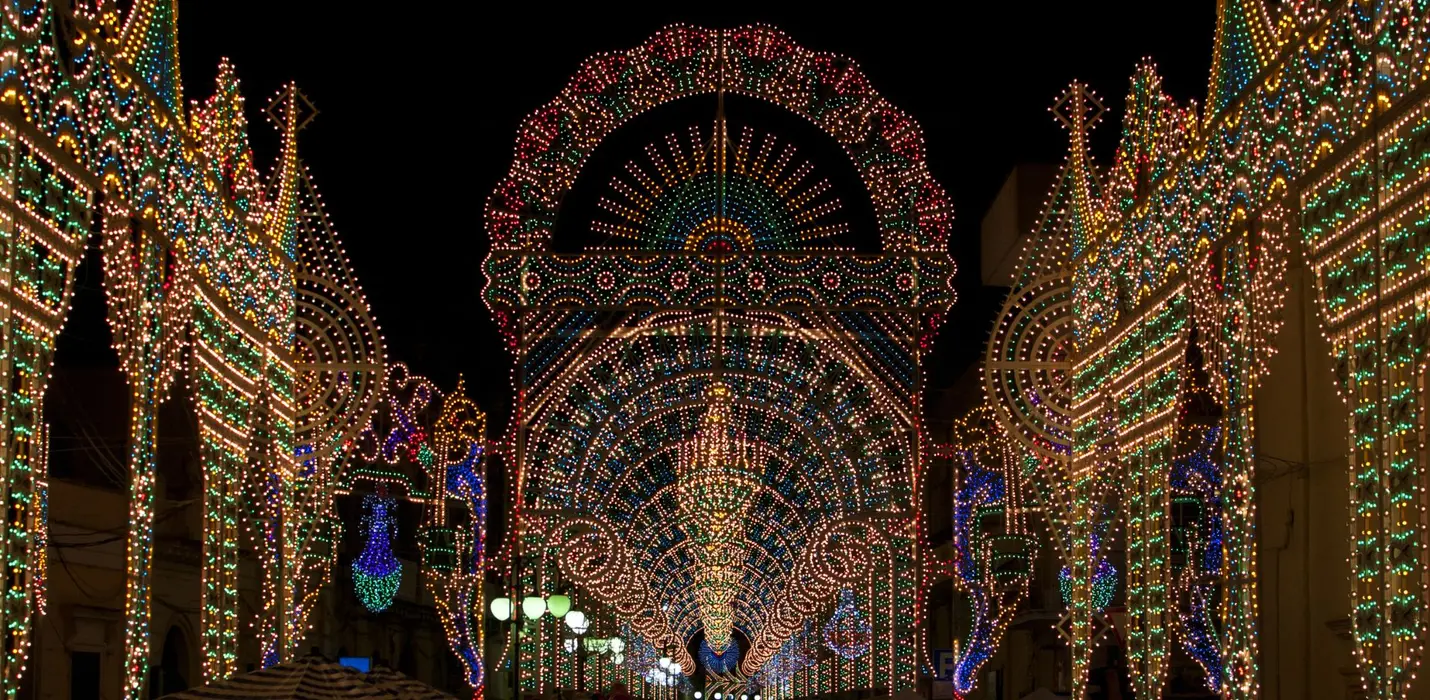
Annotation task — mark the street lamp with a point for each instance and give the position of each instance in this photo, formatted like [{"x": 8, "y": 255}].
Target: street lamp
[
  {"x": 577, "y": 621},
  {"x": 558, "y": 604},
  {"x": 533, "y": 606}
]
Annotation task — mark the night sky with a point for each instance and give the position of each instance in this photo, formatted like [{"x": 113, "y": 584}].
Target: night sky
[{"x": 420, "y": 103}]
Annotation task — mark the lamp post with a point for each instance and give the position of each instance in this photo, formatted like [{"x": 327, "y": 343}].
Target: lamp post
[
  {"x": 533, "y": 607},
  {"x": 503, "y": 609},
  {"x": 667, "y": 676},
  {"x": 576, "y": 620},
  {"x": 597, "y": 646},
  {"x": 617, "y": 646}
]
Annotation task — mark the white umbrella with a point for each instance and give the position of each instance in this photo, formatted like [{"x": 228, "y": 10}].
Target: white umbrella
[{"x": 307, "y": 678}]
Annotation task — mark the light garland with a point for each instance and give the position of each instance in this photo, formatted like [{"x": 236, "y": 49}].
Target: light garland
[
  {"x": 331, "y": 393},
  {"x": 458, "y": 556},
  {"x": 1032, "y": 375},
  {"x": 782, "y": 675},
  {"x": 1184, "y": 233},
  {"x": 421, "y": 436},
  {"x": 1104, "y": 586}
]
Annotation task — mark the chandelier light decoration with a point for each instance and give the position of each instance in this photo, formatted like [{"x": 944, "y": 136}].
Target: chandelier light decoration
[
  {"x": 727, "y": 263},
  {"x": 847, "y": 633},
  {"x": 720, "y": 475},
  {"x": 376, "y": 571}
]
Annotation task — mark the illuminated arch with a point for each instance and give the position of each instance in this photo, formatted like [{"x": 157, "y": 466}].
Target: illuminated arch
[
  {"x": 681, "y": 61},
  {"x": 607, "y": 445},
  {"x": 700, "y": 286}
]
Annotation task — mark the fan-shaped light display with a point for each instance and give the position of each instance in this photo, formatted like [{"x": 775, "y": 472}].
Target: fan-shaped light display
[
  {"x": 771, "y": 199},
  {"x": 725, "y": 661}
]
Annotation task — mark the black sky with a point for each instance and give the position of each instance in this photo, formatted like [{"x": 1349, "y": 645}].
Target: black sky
[{"x": 420, "y": 102}]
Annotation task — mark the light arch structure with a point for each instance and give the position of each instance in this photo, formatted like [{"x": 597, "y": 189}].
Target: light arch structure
[
  {"x": 1147, "y": 307},
  {"x": 618, "y": 348},
  {"x": 214, "y": 271}
]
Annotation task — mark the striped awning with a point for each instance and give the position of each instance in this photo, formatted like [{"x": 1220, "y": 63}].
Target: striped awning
[
  {"x": 406, "y": 688},
  {"x": 306, "y": 678}
]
